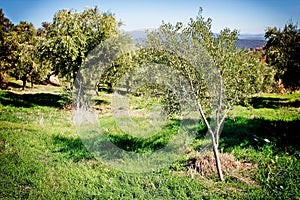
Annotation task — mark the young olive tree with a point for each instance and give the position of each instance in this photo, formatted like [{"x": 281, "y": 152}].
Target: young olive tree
[{"x": 219, "y": 74}]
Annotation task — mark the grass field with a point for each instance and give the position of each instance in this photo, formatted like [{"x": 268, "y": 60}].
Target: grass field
[{"x": 42, "y": 156}]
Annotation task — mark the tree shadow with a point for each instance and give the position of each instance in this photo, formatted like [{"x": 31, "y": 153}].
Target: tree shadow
[
  {"x": 72, "y": 148},
  {"x": 75, "y": 149},
  {"x": 84, "y": 148},
  {"x": 257, "y": 132},
  {"x": 101, "y": 102},
  {"x": 150, "y": 144},
  {"x": 273, "y": 102},
  {"x": 8, "y": 98},
  {"x": 105, "y": 89},
  {"x": 241, "y": 132},
  {"x": 7, "y": 85}
]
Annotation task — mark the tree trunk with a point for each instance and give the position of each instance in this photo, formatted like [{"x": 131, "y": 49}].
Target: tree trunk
[
  {"x": 31, "y": 81},
  {"x": 1, "y": 78},
  {"x": 48, "y": 78},
  {"x": 24, "y": 80},
  {"x": 77, "y": 79},
  {"x": 217, "y": 158},
  {"x": 214, "y": 137},
  {"x": 109, "y": 87},
  {"x": 74, "y": 76}
]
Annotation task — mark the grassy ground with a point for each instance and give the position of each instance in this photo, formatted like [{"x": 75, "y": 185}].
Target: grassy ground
[{"x": 42, "y": 156}]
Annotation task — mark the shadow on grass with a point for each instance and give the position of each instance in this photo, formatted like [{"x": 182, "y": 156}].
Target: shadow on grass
[
  {"x": 105, "y": 89},
  {"x": 72, "y": 148},
  {"x": 31, "y": 100},
  {"x": 141, "y": 145},
  {"x": 236, "y": 132},
  {"x": 101, "y": 102},
  {"x": 258, "y": 132},
  {"x": 272, "y": 102},
  {"x": 7, "y": 85}
]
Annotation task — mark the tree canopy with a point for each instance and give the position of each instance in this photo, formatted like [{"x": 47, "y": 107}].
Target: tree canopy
[
  {"x": 72, "y": 35},
  {"x": 5, "y": 28},
  {"x": 219, "y": 74},
  {"x": 283, "y": 52},
  {"x": 25, "y": 58}
]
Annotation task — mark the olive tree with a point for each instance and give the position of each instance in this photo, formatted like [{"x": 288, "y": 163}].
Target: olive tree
[
  {"x": 122, "y": 64},
  {"x": 219, "y": 74},
  {"x": 283, "y": 52},
  {"x": 5, "y": 55},
  {"x": 72, "y": 35},
  {"x": 24, "y": 56}
]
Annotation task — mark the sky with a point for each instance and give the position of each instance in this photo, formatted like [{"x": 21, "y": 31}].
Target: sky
[{"x": 248, "y": 16}]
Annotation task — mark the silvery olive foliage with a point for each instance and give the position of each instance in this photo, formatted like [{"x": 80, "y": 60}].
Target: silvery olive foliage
[{"x": 219, "y": 74}]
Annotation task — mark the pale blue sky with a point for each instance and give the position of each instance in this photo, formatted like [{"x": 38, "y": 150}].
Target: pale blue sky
[{"x": 248, "y": 16}]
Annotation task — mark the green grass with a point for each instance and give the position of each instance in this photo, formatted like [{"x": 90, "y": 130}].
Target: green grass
[{"x": 42, "y": 156}]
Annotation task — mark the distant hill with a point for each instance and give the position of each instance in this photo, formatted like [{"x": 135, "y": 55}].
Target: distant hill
[
  {"x": 247, "y": 43},
  {"x": 245, "y": 40},
  {"x": 251, "y": 41},
  {"x": 138, "y": 34},
  {"x": 251, "y": 37}
]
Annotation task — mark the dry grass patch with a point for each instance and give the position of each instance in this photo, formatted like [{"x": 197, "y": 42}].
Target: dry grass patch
[{"x": 204, "y": 165}]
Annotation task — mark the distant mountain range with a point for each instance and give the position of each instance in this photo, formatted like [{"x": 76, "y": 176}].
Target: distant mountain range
[
  {"x": 245, "y": 40},
  {"x": 249, "y": 43}
]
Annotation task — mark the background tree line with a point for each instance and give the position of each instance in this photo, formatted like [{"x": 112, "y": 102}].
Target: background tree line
[
  {"x": 283, "y": 53},
  {"x": 57, "y": 48},
  {"x": 60, "y": 47}
]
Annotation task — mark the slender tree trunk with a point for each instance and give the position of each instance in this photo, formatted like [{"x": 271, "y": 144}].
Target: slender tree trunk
[
  {"x": 214, "y": 137},
  {"x": 109, "y": 87},
  {"x": 24, "y": 80},
  {"x": 217, "y": 158},
  {"x": 74, "y": 75},
  {"x": 97, "y": 88},
  {"x": 77, "y": 78},
  {"x": 215, "y": 143},
  {"x": 1, "y": 78},
  {"x": 48, "y": 78},
  {"x": 31, "y": 82}
]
